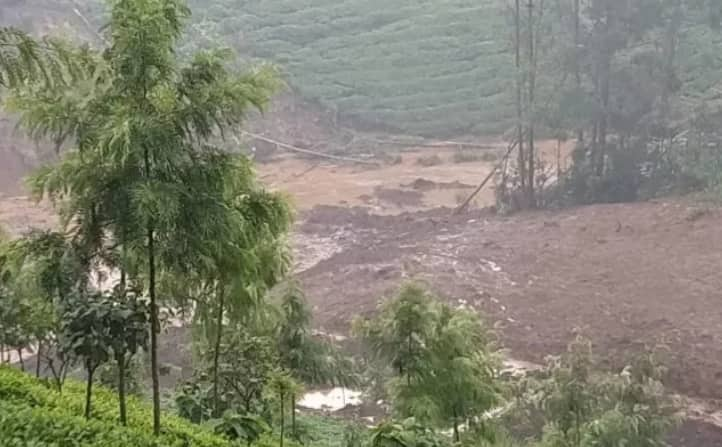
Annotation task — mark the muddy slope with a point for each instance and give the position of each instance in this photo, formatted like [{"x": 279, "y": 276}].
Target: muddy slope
[{"x": 627, "y": 276}]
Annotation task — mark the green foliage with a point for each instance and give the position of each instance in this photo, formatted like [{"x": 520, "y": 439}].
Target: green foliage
[
  {"x": 282, "y": 390},
  {"x": 421, "y": 68},
  {"x": 96, "y": 327},
  {"x": 194, "y": 399},
  {"x": 441, "y": 69},
  {"x": 579, "y": 405},
  {"x": 308, "y": 358},
  {"x": 400, "y": 332},
  {"x": 245, "y": 365},
  {"x": 408, "y": 433},
  {"x": 85, "y": 333},
  {"x": 145, "y": 190},
  {"x": 446, "y": 368},
  {"x": 25, "y": 59},
  {"x": 42, "y": 273},
  {"x": 247, "y": 428},
  {"x": 135, "y": 376},
  {"x": 273, "y": 341},
  {"x": 31, "y": 414},
  {"x": 126, "y": 320}
]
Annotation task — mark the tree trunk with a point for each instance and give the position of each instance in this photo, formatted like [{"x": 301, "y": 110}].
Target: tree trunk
[
  {"x": 577, "y": 65},
  {"x": 154, "y": 322},
  {"x": 38, "y": 356},
  {"x": 155, "y": 329},
  {"x": 457, "y": 437},
  {"x": 519, "y": 111},
  {"x": 89, "y": 389},
  {"x": 671, "y": 42},
  {"x": 605, "y": 80},
  {"x": 531, "y": 201},
  {"x": 20, "y": 359},
  {"x": 559, "y": 160},
  {"x": 283, "y": 419},
  {"x": 293, "y": 416},
  {"x": 217, "y": 349},
  {"x": 408, "y": 368},
  {"x": 603, "y": 122},
  {"x": 121, "y": 390}
]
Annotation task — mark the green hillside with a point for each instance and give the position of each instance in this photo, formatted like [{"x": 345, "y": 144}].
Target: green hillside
[
  {"x": 426, "y": 67},
  {"x": 434, "y": 67}
]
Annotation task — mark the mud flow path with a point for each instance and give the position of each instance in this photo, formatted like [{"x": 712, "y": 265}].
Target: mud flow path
[{"x": 629, "y": 277}]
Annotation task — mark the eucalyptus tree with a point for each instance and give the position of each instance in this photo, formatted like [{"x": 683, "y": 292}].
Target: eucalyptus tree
[{"x": 145, "y": 177}]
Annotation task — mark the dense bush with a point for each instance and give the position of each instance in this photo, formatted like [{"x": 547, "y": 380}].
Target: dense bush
[{"x": 33, "y": 414}]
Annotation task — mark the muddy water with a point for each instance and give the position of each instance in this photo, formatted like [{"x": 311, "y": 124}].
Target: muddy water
[{"x": 333, "y": 399}]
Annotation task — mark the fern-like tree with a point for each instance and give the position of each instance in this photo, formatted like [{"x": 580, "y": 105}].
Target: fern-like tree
[
  {"x": 247, "y": 258},
  {"x": 307, "y": 358},
  {"x": 444, "y": 361},
  {"x": 22, "y": 58},
  {"x": 145, "y": 179},
  {"x": 281, "y": 388},
  {"x": 399, "y": 334}
]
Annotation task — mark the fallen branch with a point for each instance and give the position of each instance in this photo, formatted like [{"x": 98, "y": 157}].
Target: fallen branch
[
  {"x": 307, "y": 151},
  {"x": 466, "y": 203}
]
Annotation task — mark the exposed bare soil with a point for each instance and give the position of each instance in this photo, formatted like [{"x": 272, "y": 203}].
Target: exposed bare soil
[
  {"x": 628, "y": 276},
  {"x": 313, "y": 182}
]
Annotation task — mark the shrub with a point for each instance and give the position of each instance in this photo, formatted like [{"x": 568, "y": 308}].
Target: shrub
[{"x": 32, "y": 414}]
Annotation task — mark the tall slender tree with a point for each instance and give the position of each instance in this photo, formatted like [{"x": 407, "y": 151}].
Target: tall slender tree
[
  {"x": 519, "y": 80},
  {"x": 531, "y": 100},
  {"x": 146, "y": 176},
  {"x": 576, "y": 26}
]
